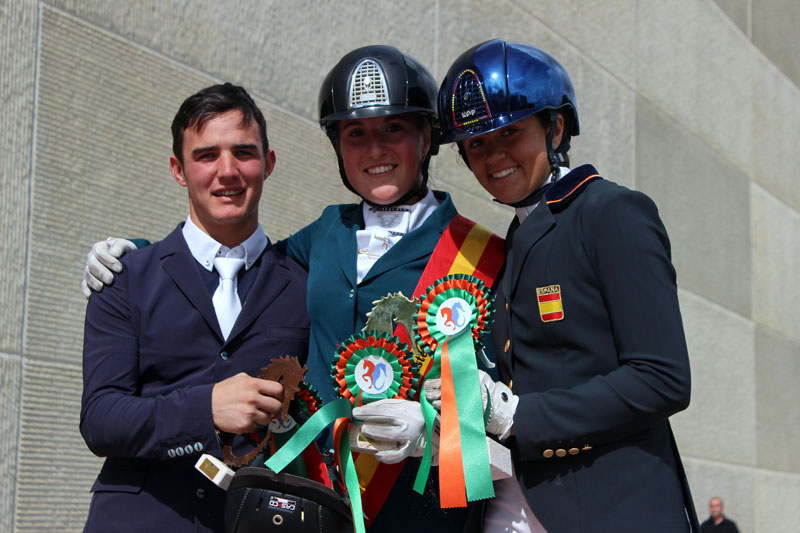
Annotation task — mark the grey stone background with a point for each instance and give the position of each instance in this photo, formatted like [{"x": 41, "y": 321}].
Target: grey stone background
[{"x": 695, "y": 102}]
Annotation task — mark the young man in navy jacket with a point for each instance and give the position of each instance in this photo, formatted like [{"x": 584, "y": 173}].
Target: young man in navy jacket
[{"x": 164, "y": 368}]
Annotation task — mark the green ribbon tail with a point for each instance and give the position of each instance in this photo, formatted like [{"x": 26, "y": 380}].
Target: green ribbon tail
[
  {"x": 308, "y": 432},
  {"x": 429, "y": 414},
  {"x": 474, "y": 451},
  {"x": 348, "y": 467}
]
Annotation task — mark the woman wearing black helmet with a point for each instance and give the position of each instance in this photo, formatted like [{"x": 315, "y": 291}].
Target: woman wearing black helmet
[
  {"x": 378, "y": 107},
  {"x": 588, "y": 329}
]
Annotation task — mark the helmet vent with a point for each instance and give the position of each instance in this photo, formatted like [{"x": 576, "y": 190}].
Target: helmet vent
[
  {"x": 368, "y": 85},
  {"x": 469, "y": 102}
]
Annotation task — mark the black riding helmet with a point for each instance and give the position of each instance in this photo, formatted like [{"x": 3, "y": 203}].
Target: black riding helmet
[{"x": 377, "y": 81}]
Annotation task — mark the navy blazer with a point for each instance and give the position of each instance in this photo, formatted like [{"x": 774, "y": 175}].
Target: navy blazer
[
  {"x": 599, "y": 364},
  {"x": 152, "y": 352}
]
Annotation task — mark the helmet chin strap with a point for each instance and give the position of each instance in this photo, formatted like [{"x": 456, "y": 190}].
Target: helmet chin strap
[
  {"x": 552, "y": 157},
  {"x": 416, "y": 191}
]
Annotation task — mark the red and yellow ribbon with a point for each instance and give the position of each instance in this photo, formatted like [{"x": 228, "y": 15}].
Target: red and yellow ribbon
[{"x": 464, "y": 248}]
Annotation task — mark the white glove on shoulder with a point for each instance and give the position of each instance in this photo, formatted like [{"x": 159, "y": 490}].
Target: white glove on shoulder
[
  {"x": 391, "y": 429},
  {"x": 496, "y": 396},
  {"x": 102, "y": 262}
]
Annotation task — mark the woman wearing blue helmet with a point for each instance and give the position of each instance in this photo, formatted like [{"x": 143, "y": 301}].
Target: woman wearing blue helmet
[{"x": 588, "y": 329}]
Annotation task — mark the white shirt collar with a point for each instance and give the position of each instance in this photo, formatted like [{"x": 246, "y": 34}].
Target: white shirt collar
[
  {"x": 204, "y": 249},
  {"x": 524, "y": 211},
  {"x": 400, "y": 219},
  {"x": 384, "y": 227}
]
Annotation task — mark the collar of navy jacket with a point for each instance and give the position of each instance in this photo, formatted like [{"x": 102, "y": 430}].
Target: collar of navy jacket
[
  {"x": 178, "y": 262},
  {"x": 542, "y": 219}
]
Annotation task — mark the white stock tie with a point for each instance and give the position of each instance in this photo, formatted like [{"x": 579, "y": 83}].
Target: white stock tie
[{"x": 226, "y": 299}]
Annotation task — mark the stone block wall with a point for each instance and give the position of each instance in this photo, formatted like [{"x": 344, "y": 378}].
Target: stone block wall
[{"x": 694, "y": 102}]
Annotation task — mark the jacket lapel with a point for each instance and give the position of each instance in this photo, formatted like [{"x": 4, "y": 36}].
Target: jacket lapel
[
  {"x": 272, "y": 279},
  {"x": 179, "y": 264},
  {"x": 508, "y": 267},
  {"x": 541, "y": 220},
  {"x": 346, "y": 244}
]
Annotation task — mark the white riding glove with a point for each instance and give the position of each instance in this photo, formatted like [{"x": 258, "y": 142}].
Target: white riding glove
[
  {"x": 502, "y": 407},
  {"x": 392, "y": 430},
  {"x": 102, "y": 262}
]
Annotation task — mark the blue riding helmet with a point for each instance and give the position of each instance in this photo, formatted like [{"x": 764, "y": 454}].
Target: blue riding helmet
[{"x": 497, "y": 83}]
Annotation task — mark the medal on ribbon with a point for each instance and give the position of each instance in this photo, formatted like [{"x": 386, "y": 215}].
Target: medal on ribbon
[
  {"x": 452, "y": 318},
  {"x": 287, "y": 371}
]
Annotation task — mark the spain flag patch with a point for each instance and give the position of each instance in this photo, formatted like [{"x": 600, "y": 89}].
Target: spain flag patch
[{"x": 550, "y": 307}]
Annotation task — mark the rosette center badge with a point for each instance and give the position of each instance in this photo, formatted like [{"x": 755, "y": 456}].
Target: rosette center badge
[
  {"x": 280, "y": 425},
  {"x": 374, "y": 374},
  {"x": 453, "y": 316}
]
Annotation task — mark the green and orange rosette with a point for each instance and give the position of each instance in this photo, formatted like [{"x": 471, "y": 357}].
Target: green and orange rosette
[
  {"x": 433, "y": 306},
  {"x": 453, "y": 317},
  {"x": 373, "y": 366},
  {"x": 367, "y": 367}
]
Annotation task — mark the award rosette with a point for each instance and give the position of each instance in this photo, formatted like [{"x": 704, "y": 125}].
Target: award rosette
[
  {"x": 450, "y": 305},
  {"x": 368, "y": 367},
  {"x": 373, "y": 366},
  {"x": 452, "y": 318}
]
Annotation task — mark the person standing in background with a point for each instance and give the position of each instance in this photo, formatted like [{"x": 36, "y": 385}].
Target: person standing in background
[{"x": 717, "y": 522}]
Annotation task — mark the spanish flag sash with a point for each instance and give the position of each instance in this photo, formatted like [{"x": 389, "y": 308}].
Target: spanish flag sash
[{"x": 464, "y": 248}]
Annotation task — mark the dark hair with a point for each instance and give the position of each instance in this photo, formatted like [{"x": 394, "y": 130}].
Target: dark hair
[{"x": 199, "y": 108}]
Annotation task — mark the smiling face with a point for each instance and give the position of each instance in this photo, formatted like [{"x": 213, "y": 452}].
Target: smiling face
[
  {"x": 382, "y": 155},
  {"x": 511, "y": 163},
  {"x": 224, "y": 168}
]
